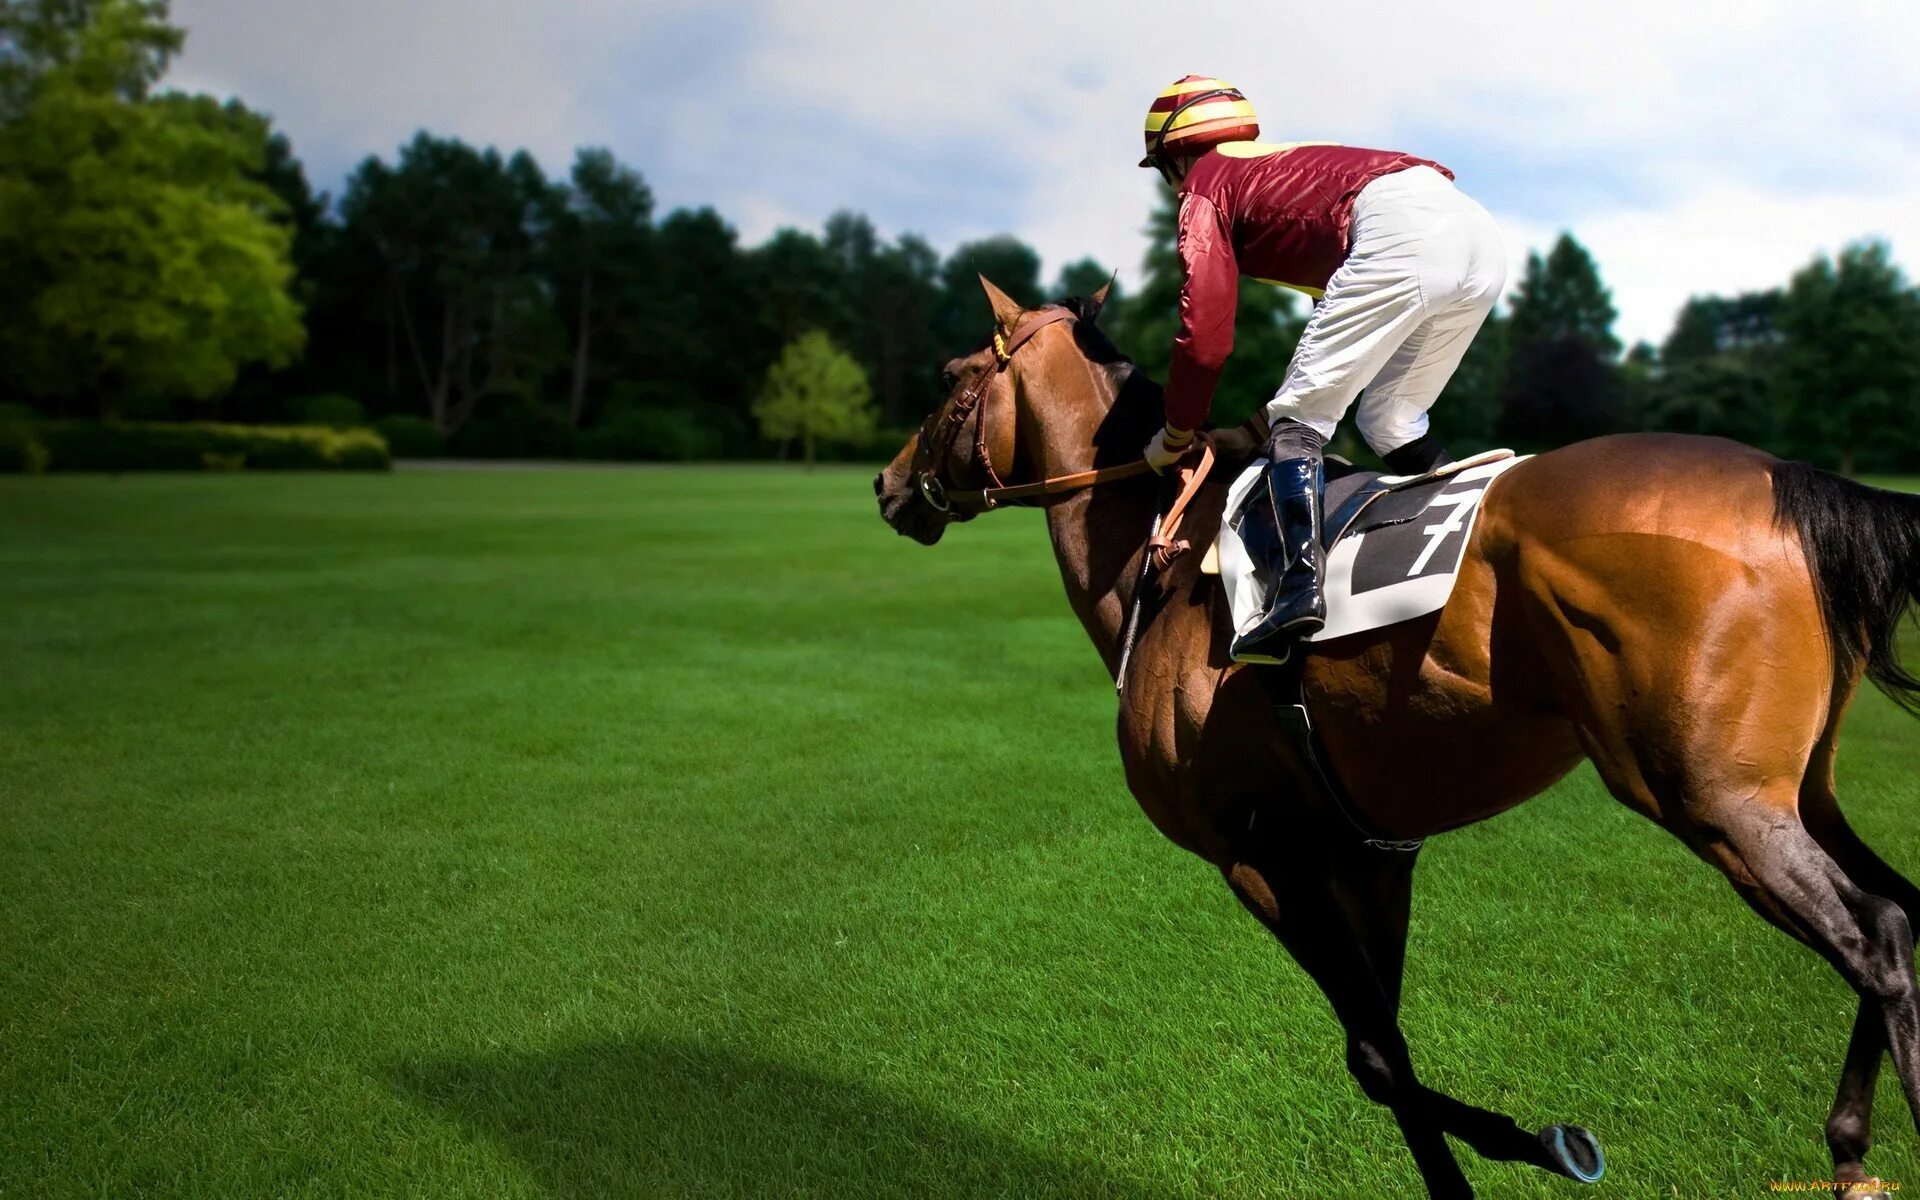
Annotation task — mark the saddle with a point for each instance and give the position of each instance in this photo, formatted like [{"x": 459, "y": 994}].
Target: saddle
[
  {"x": 1394, "y": 542},
  {"x": 1394, "y": 546}
]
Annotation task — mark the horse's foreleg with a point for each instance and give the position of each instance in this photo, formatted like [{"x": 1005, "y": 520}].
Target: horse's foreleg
[
  {"x": 1301, "y": 909},
  {"x": 1344, "y": 919},
  {"x": 1375, "y": 891}
]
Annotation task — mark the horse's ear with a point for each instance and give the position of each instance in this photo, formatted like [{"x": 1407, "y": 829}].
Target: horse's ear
[
  {"x": 1006, "y": 313},
  {"x": 1098, "y": 301}
]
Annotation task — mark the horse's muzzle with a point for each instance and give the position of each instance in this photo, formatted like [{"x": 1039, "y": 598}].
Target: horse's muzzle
[{"x": 904, "y": 505}]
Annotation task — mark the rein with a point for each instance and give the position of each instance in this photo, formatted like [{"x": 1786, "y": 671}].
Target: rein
[{"x": 1163, "y": 547}]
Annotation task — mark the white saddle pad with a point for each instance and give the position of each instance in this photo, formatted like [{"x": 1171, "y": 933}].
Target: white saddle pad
[{"x": 1376, "y": 576}]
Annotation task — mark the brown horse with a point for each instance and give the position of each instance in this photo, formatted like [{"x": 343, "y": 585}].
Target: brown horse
[{"x": 1690, "y": 614}]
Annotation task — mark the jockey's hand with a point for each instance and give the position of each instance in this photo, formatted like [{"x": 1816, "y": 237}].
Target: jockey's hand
[{"x": 1168, "y": 446}]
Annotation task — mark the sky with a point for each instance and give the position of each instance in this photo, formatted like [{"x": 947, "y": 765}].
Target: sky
[{"x": 1693, "y": 146}]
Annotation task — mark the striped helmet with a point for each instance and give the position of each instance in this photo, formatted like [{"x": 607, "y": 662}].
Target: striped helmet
[{"x": 1194, "y": 115}]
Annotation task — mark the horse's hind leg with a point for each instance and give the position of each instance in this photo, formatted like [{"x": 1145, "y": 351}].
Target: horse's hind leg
[
  {"x": 1779, "y": 866},
  {"x": 1738, "y": 805},
  {"x": 1850, "y": 1124}
]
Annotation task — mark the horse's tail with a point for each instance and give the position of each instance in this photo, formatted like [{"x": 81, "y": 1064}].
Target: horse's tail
[{"x": 1863, "y": 547}]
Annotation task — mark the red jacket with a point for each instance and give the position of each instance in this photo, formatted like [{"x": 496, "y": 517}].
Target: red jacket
[{"x": 1278, "y": 213}]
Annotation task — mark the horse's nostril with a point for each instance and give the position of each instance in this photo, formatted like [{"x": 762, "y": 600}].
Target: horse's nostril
[{"x": 879, "y": 484}]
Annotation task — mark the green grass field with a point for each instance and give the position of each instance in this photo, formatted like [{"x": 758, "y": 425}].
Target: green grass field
[{"x": 685, "y": 833}]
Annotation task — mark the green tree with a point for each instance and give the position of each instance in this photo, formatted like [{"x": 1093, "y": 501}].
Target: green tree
[
  {"x": 141, "y": 257},
  {"x": 1850, "y": 361},
  {"x": 815, "y": 393},
  {"x": 1562, "y": 383},
  {"x": 459, "y": 233},
  {"x": 902, "y": 294},
  {"x": 964, "y": 318},
  {"x": 1467, "y": 416},
  {"x": 705, "y": 344},
  {"x": 117, "y": 48},
  {"x": 1710, "y": 325},
  {"x": 601, "y": 252},
  {"x": 800, "y": 285},
  {"x": 1717, "y": 372},
  {"x": 1084, "y": 278},
  {"x": 1721, "y": 395}
]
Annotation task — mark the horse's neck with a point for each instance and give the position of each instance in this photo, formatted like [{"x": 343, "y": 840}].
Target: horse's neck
[
  {"x": 1099, "y": 535},
  {"x": 1099, "y": 541}
]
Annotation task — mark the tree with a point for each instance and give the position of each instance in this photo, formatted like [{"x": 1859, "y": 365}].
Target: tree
[
  {"x": 800, "y": 285},
  {"x": 458, "y": 232},
  {"x": 964, "y": 319},
  {"x": 904, "y": 357},
  {"x": 1850, "y": 360},
  {"x": 601, "y": 250},
  {"x": 116, "y": 48},
  {"x": 1717, "y": 372},
  {"x": 1710, "y": 325},
  {"x": 141, "y": 258},
  {"x": 815, "y": 393},
  {"x": 1467, "y": 416},
  {"x": 1719, "y": 396},
  {"x": 1084, "y": 278},
  {"x": 1562, "y": 384},
  {"x": 702, "y": 341}
]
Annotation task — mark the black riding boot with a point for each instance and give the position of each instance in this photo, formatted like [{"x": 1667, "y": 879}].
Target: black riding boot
[
  {"x": 1417, "y": 457},
  {"x": 1281, "y": 531}
]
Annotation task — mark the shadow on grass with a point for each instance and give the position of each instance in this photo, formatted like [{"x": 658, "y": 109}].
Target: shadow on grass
[{"x": 684, "y": 1119}]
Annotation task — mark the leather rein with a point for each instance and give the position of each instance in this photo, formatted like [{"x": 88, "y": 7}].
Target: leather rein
[{"x": 1164, "y": 546}]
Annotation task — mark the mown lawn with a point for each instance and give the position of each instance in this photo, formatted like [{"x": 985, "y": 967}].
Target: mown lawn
[{"x": 684, "y": 833}]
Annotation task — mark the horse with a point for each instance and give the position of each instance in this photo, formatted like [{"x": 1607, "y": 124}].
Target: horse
[{"x": 1691, "y": 615}]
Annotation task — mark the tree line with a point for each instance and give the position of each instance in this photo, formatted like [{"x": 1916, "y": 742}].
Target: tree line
[{"x": 166, "y": 257}]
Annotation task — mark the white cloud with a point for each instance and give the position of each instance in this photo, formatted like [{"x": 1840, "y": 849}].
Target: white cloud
[{"x": 1693, "y": 146}]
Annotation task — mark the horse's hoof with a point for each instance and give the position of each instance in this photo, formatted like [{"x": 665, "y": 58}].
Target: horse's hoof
[
  {"x": 1575, "y": 1153},
  {"x": 1871, "y": 1189}
]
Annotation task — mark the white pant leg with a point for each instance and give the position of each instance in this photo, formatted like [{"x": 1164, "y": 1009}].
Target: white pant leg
[
  {"x": 1425, "y": 269},
  {"x": 1371, "y": 305},
  {"x": 1463, "y": 272},
  {"x": 1393, "y": 410}
]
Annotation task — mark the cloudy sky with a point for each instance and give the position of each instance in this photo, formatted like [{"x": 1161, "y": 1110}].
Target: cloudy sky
[{"x": 1692, "y": 145}]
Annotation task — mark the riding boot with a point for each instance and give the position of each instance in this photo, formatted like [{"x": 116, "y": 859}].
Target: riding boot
[
  {"x": 1281, "y": 531},
  {"x": 1421, "y": 455}
]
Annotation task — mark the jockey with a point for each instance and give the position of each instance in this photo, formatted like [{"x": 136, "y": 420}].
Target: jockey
[{"x": 1403, "y": 270}]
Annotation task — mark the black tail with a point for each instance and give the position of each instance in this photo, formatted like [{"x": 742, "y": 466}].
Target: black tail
[{"x": 1863, "y": 547}]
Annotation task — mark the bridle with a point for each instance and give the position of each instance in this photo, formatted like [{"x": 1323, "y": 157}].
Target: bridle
[
  {"x": 935, "y": 447},
  {"x": 929, "y": 462}
]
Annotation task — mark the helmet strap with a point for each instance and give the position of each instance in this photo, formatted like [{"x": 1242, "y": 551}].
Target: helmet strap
[{"x": 1159, "y": 152}]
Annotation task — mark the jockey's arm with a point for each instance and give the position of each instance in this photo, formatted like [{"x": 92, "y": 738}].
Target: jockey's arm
[{"x": 1209, "y": 298}]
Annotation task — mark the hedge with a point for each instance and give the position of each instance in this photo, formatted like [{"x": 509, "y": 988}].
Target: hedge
[
  {"x": 332, "y": 410},
  {"x": 411, "y": 437},
  {"x": 199, "y": 446}
]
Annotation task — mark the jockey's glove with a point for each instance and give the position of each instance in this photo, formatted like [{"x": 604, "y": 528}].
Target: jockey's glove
[{"x": 1168, "y": 446}]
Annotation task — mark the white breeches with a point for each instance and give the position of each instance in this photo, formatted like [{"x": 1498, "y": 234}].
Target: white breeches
[{"x": 1426, "y": 266}]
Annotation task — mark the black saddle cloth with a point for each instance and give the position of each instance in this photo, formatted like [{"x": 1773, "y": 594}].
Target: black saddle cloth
[{"x": 1356, "y": 500}]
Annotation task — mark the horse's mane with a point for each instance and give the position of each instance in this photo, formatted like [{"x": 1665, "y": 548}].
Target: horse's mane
[{"x": 1138, "y": 402}]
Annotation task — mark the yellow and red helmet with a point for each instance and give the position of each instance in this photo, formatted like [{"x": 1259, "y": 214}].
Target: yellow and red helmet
[{"x": 1195, "y": 115}]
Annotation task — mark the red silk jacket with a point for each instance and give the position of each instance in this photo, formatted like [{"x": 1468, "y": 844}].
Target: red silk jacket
[{"x": 1278, "y": 213}]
